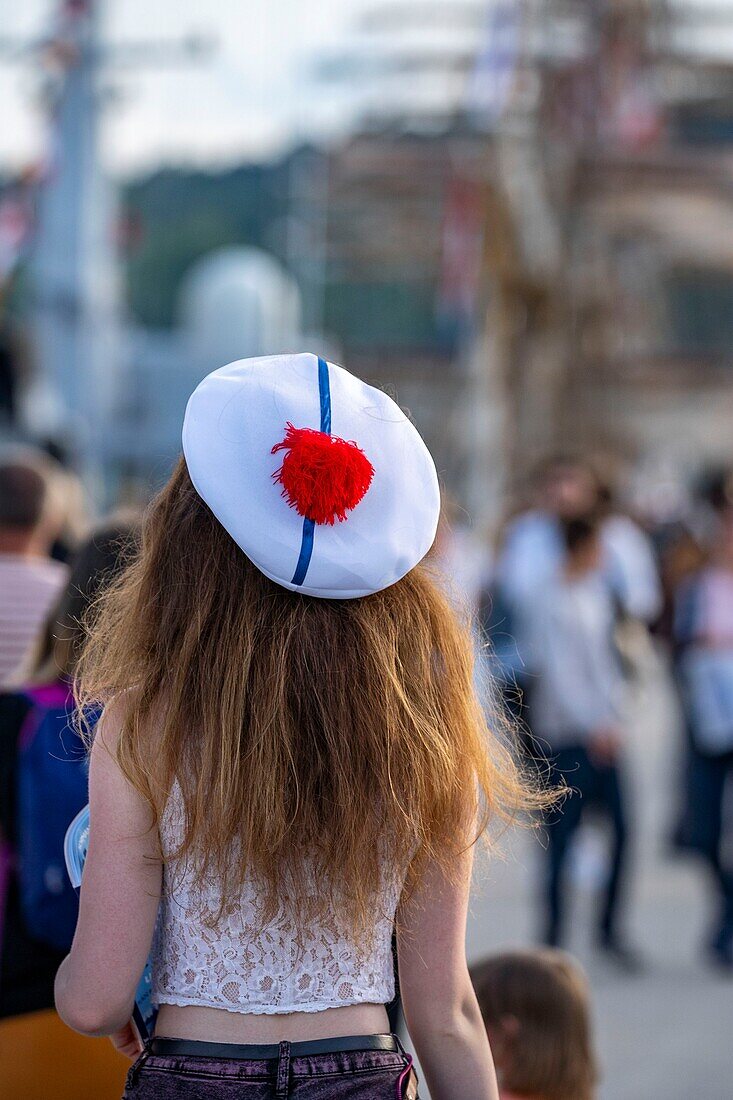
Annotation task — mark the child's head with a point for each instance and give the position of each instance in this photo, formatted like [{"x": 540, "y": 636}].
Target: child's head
[
  {"x": 535, "y": 1005},
  {"x": 582, "y": 542}
]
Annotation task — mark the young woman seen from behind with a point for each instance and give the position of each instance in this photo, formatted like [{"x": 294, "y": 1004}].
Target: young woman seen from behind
[{"x": 286, "y": 767}]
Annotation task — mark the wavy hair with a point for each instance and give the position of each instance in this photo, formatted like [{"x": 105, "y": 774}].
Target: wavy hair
[{"x": 332, "y": 729}]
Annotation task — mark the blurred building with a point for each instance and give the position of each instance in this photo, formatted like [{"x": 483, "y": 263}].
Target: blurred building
[
  {"x": 235, "y": 302},
  {"x": 403, "y": 259},
  {"x": 524, "y": 235},
  {"x": 616, "y": 295},
  {"x": 538, "y": 258}
]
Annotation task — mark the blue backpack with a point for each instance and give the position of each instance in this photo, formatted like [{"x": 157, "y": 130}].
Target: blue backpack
[{"x": 51, "y": 789}]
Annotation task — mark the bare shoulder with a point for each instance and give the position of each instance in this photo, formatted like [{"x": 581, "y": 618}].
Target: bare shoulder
[
  {"x": 112, "y": 720},
  {"x": 110, "y": 792}
]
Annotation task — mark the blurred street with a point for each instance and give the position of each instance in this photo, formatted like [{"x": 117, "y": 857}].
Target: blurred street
[{"x": 647, "y": 1025}]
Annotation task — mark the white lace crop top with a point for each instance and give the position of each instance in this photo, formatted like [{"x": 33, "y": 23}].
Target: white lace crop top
[{"x": 241, "y": 967}]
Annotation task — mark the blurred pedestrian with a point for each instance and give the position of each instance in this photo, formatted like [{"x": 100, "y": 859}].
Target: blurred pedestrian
[
  {"x": 291, "y": 747},
  {"x": 703, "y": 627},
  {"x": 629, "y": 560},
  {"x": 536, "y": 1008},
  {"x": 29, "y": 580},
  {"x": 10, "y": 368},
  {"x": 576, "y": 715},
  {"x": 28, "y": 964},
  {"x": 70, "y": 499},
  {"x": 682, "y": 541},
  {"x": 532, "y": 544},
  {"x": 533, "y": 549}
]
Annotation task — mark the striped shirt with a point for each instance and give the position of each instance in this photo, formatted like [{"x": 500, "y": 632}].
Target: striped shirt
[{"x": 29, "y": 587}]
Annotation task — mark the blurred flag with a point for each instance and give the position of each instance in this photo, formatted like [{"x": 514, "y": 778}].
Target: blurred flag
[
  {"x": 462, "y": 250},
  {"x": 491, "y": 83}
]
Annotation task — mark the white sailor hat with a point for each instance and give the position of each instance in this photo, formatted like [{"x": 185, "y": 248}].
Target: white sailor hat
[{"x": 320, "y": 479}]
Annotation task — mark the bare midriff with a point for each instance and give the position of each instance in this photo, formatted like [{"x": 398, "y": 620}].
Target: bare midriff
[{"x": 216, "y": 1025}]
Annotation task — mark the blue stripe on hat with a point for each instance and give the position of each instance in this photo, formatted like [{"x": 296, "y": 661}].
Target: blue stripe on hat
[
  {"x": 309, "y": 527},
  {"x": 324, "y": 388}
]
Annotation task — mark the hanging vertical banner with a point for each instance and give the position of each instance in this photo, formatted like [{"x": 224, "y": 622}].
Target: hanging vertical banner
[
  {"x": 462, "y": 248},
  {"x": 491, "y": 82}
]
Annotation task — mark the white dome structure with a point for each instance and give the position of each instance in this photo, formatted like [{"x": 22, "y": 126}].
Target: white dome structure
[{"x": 237, "y": 303}]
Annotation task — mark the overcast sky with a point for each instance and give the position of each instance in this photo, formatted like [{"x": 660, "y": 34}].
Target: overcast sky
[
  {"x": 253, "y": 95},
  {"x": 248, "y": 97}
]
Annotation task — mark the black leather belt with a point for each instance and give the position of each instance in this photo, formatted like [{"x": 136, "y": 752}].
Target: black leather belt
[{"x": 193, "y": 1048}]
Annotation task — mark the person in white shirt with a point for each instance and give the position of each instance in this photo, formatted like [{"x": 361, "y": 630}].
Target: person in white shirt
[
  {"x": 576, "y": 717},
  {"x": 533, "y": 547}
]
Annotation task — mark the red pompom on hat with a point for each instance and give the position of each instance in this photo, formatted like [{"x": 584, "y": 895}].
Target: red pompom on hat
[{"x": 323, "y": 477}]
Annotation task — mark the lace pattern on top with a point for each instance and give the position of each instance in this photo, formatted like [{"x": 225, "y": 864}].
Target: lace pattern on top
[{"x": 241, "y": 967}]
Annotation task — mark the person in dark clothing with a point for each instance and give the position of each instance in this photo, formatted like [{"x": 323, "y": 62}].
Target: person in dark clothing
[
  {"x": 709, "y": 778},
  {"x": 703, "y": 633},
  {"x": 9, "y": 359},
  {"x": 27, "y": 966},
  {"x": 596, "y": 785}
]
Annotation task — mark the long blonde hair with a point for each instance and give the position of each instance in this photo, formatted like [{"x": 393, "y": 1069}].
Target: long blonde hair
[
  {"x": 536, "y": 1007},
  {"x": 336, "y": 729}
]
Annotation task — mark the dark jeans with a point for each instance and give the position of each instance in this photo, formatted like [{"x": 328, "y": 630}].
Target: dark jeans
[
  {"x": 707, "y": 780},
  {"x": 593, "y": 787},
  {"x": 356, "y": 1075}
]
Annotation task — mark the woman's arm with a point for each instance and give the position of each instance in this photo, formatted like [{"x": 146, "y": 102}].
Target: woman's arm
[
  {"x": 96, "y": 983},
  {"x": 440, "y": 1005}
]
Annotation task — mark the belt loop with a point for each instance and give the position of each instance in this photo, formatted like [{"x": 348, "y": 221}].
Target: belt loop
[{"x": 283, "y": 1072}]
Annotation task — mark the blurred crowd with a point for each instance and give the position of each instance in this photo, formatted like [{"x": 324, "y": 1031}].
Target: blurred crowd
[
  {"x": 568, "y": 601},
  {"x": 53, "y": 564},
  {"x": 580, "y": 599}
]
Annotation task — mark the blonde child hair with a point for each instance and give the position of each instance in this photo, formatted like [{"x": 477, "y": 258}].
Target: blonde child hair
[{"x": 536, "y": 1008}]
